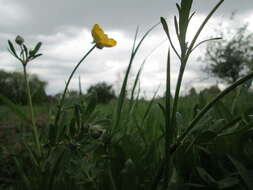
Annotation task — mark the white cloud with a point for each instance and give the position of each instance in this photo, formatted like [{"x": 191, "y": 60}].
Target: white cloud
[
  {"x": 249, "y": 19},
  {"x": 8, "y": 62},
  {"x": 62, "y": 50}
]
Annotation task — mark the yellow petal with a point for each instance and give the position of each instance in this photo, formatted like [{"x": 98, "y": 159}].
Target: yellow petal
[
  {"x": 97, "y": 30},
  {"x": 97, "y": 33},
  {"x": 110, "y": 43},
  {"x": 100, "y": 38}
]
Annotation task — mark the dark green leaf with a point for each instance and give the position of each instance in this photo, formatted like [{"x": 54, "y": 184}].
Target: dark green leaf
[
  {"x": 52, "y": 134},
  {"x": 91, "y": 104},
  {"x": 243, "y": 172},
  {"x": 25, "y": 50},
  {"x": 205, "y": 137},
  {"x": 228, "y": 182},
  {"x": 206, "y": 176},
  {"x": 38, "y": 55},
  {"x": 36, "y": 49},
  {"x": 12, "y": 48}
]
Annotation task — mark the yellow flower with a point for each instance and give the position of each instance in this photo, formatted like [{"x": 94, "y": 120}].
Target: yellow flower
[{"x": 100, "y": 38}]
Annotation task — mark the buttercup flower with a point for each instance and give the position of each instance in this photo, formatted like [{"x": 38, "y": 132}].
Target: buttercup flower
[{"x": 100, "y": 38}]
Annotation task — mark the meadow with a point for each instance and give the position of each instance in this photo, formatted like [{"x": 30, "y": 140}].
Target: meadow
[{"x": 197, "y": 141}]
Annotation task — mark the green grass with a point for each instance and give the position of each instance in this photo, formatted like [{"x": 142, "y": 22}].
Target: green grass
[{"x": 138, "y": 143}]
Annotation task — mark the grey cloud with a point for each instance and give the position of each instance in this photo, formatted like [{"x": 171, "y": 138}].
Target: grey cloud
[{"x": 47, "y": 16}]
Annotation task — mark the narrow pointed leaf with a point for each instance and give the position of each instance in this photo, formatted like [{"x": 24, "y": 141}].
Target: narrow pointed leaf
[{"x": 12, "y": 48}]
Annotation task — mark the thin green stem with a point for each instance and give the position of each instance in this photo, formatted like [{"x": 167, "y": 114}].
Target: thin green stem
[
  {"x": 201, "y": 28},
  {"x": 176, "y": 97},
  {"x": 168, "y": 129},
  {"x": 35, "y": 130},
  {"x": 58, "y": 114}
]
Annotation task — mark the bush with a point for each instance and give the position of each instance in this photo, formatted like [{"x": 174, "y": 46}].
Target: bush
[
  {"x": 13, "y": 84},
  {"x": 230, "y": 59},
  {"x": 103, "y": 91}
]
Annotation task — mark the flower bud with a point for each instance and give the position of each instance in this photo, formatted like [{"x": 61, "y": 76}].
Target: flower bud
[{"x": 19, "y": 40}]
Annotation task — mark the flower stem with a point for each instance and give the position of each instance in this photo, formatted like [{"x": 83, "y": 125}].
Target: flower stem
[
  {"x": 67, "y": 84},
  {"x": 35, "y": 130}
]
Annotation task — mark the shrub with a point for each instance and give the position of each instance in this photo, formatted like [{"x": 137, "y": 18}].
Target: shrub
[
  {"x": 13, "y": 84},
  {"x": 103, "y": 91}
]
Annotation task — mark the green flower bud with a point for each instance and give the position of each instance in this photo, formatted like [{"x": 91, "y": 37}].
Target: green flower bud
[{"x": 19, "y": 40}]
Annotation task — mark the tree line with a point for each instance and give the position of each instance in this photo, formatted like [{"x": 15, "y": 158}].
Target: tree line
[{"x": 12, "y": 85}]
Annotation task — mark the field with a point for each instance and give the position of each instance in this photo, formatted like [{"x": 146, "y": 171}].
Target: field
[
  {"x": 198, "y": 141},
  {"x": 218, "y": 154}
]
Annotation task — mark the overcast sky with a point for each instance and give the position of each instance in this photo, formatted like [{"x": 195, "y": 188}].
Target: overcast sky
[{"x": 64, "y": 28}]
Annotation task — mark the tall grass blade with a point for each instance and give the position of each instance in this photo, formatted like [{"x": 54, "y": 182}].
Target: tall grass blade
[
  {"x": 168, "y": 128},
  {"x": 122, "y": 95}
]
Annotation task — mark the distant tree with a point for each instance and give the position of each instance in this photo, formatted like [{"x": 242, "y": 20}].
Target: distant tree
[
  {"x": 38, "y": 89},
  {"x": 12, "y": 85},
  {"x": 230, "y": 58},
  {"x": 103, "y": 91},
  {"x": 192, "y": 91},
  {"x": 211, "y": 90}
]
